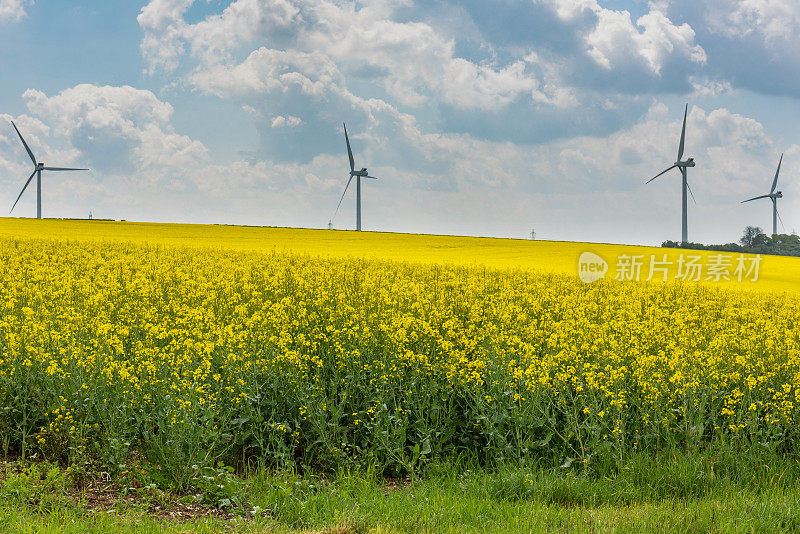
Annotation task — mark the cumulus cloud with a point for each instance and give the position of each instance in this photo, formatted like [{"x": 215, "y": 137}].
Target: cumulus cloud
[
  {"x": 117, "y": 128},
  {"x": 167, "y": 36},
  {"x": 658, "y": 39},
  {"x": 410, "y": 60},
  {"x": 371, "y": 62},
  {"x": 613, "y": 40},
  {"x": 266, "y": 71},
  {"x": 13, "y": 10}
]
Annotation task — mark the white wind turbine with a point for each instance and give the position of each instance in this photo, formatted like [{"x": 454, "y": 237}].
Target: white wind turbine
[
  {"x": 37, "y": 171},
  {"x": 358, "y": 175},
  {"x": 682, "y": 166},
  {"x": 774, "y": 196}
]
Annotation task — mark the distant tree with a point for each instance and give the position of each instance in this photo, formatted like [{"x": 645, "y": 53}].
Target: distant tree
[
  {"x": 763, "y": 240},
  {"x": 786, "y": 239},
  {"x": 751, "y": 236}
]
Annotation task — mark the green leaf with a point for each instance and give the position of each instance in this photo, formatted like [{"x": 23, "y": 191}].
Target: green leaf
[{"x": 426, "y": 446}]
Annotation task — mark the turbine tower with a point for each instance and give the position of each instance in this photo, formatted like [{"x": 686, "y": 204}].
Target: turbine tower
[
  {"x": 358, "y": 175},
  {"x": 774, "y": 196},
  {"x": 682, "y": 166},
  {"x": 37, "y": 171}
]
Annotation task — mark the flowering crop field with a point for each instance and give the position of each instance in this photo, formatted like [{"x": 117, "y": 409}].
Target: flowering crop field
[
  {"x": 136, "y": 341},
  {"x": 777, "y": 274}
]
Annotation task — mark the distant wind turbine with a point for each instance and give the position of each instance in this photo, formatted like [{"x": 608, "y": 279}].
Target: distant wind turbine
[
  {"x": 358, "y": 175},
  {"x": 774, "y": 196},
  {"x": 38, "y": 168},
  {"x": 682, "y": 166}
]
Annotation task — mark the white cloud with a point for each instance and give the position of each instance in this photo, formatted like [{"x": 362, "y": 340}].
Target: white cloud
[
  {"x": 13, "y": 10},
  {"x": 410, "y": 60},
  {"x": 776, "y": 21},
  {"x": 571, "y": 9},
  {"x": 118, "y": 126},
  {"x": 118, "y": 108},
  {"x": 289, "y": 121},
  {"x": 163, "y": 25},
  {"x": 615, "y": 41},
  {"x": 167, "y": 36},
  {"x": 265, "y": 71}
]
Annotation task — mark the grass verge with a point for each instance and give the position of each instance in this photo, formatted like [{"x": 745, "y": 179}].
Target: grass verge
[{"x": 677, "y": 492}]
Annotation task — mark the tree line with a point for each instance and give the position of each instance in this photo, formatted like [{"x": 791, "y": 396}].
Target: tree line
[{"x": 753, "y": 241}]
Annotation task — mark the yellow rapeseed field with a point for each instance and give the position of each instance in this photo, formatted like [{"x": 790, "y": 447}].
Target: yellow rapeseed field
[
  {"x": 188, "y": 345},
  {"x": 777, "y": 274}
]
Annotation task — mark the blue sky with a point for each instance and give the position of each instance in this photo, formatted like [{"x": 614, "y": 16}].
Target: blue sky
[{"x": 484, "y": 117}]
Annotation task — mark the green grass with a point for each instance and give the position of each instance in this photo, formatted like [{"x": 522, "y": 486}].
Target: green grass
[
  {"x": 451, "y": 513},
  {"x": 676, "y": 492}
]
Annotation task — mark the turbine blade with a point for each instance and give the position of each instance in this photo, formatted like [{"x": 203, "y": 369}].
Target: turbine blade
[
  {"x": 775, "y": 181},
  {"x": 780, "y": 219},
  {"x": 373, "y": 177},
  {"x": 755, "y": 198},
  {"x": 27, "y": 148},
  {"x": 659, "y": 174},
  {"x": 23, "y": 190},
  {"x": 691, "y": 192},
  {"x": 349, "y": 150},
  {"x": 340, "y": 200},
  {"x": 62, "y": 169},
  {"x": 683, "y": 133}
]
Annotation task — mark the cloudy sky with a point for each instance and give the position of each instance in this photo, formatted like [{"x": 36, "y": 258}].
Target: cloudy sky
[{"x": 480, "y": 117}]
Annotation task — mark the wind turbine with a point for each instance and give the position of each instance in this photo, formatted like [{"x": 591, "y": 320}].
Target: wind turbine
[
  {"x": 38, "y": 168},
  {"x": 358, "y": 175},
  {"x": 774, "y": 196},
  {"x": 682, "y": 166}
]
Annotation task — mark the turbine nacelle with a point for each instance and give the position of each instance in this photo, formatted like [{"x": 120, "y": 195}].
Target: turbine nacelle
[
  {"x": 362, "y": 172},
  {"x": 688, "y": 163},
  {"x": 779, "y": 194}
]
